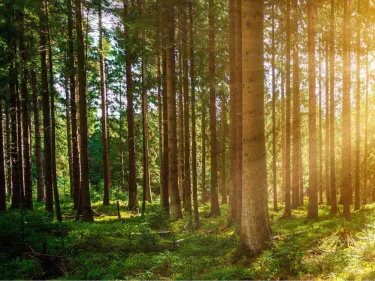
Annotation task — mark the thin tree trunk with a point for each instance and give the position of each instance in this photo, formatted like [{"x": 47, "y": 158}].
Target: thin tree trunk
[
  {"x": 193, "y": 116},
  {"x": 326, "y": 185},
  {"x": 185, "y": 51},
  {"x": 232, "y": 208},
  {"x": 8, "y": 147},
  {"x": 296, "y": 111},
  {"x": 175, "y": 203},
  {"x": 68, "y": 134},
  {"x": 332, "y": 152},
  {"x": 346, "y": 117},
  {"x": 121, "y": 145},
  {"x": 365, "y": 168},
  {"x": 288, "y": 210},
  {"x": 74, "y": 99},
  {"x": 3, "y": 204},
  {"x": 215, "y": 209},
  {"x": 85, "y": 204},
  {"x": 104, "y": 111},
  {"x": 38, "y": 140},
  {"x": 204, "y": 141},
  {"x": 320, "y": 182},
  {"x": 133, "y": 192},
  {"x": 224, "y": 197},
  {"x": 312, "y": 211},
  {"x": 357, "y": 200}
]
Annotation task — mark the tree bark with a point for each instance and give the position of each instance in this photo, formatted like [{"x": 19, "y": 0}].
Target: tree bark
[
  {"x": 312, "y": 211},
  {"x": 224, "y": 197},
  {"x": 255, "y": 227},
  {"x": 327, "y": 185},
  {"x": 320, "y": 181},
  {"x": 133, "y": 192},
  {"x": 85, "y": 204},
  {"x": 3, "y": 204},
  {"x": 68, "y": 134}
]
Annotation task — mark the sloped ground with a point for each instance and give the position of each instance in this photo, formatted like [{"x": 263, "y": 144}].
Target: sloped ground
[{"x": 153, "y": 248}]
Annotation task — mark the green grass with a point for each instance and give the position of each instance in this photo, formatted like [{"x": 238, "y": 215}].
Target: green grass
[{"x": 132, "y": 248}]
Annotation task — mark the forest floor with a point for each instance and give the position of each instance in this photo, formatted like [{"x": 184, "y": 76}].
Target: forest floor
[{"x": 153, "y": 248}]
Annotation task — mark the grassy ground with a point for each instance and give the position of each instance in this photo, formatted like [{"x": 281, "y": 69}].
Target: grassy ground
[{"x": 135, "y": 247}]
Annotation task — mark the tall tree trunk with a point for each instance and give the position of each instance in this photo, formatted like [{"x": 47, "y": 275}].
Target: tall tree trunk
[
  {"x": 332, "y": 152},
  {"x": 46, "y": 115},
  {"x": 238, "y": 64},
  {"x": 365, "y": 168},
  {"x": 255, "y": 226},
  {"x": 312, "y": 211},
  {"x": 8, "y": 147},
  {"x": 175, "y": 203},
  {"x": 274, "y": 136},
  {"x": 215, "y": 209},
  {"x": 68, "y": 133},
  {"x": 233, "y": 116},
  {"x": 3, "y": 204},
  {"x": 165, "y": 187},
  {"x": 288, "y": 210},
  {"x": 85, "y": 204},
  {"x": 283, "y": 139},
  {"x": 193, "y": 115},
  {"x": 346, "y": 117},
  {"x": 320, "y": 181},
  {"x": 28, "y": 204},
  {"x": 133, "y": 192},
  {"x": 121, "y": 145},
  {"x": 187, "y": 178},
  {"x": 357, "y": 199},
  {"x": 38, "y": 140},
  {"x": 104, "y": 111},
  {"x": 180, "y": 117},
  {"x": 326, "y": 185},
  {"x": 53, "y": 121},
  {"x": 224, "y": 197},
  {"x": 74, "y": 99},
  {"x": 296, "y": 111},
  {"x": 204, "y": 141}
]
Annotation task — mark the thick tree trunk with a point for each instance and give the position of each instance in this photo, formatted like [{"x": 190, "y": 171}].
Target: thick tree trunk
[
  {"x": 85, "y": 204},
  {"x": 193, "y": 116},
  {"x": 233, "y": 118},
  {"x": 346, "y": 117},
  {"x": 175, "y": 203},
  {"x": 133, "y": 192},
  {"x": 104, "y": 111},
  {"x": 312, "y": 211},
  {"x": 215, "y": 209},
  {"x": 38, "y": 140},
  {"x": 74, "y": 99},
  {"x": 255, "y": 227}
]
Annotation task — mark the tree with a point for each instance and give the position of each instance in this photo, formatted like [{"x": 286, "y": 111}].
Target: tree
[
  {"x": 255, "y": 227},
  {"x": 133, "y": 193},
  {"x": 175, "y": 203},
  {"x": 346, "y": 112},
  {"x": 312, "y": 212},
  {"x": 288, "y": 210},
  {"x": 85, "y": 204},
  {"x": 3, "y": 205},
  {"x": 74, "y": 99},
  {"x": 104, "y": 110},
  {"x": 215, "y": 209}
]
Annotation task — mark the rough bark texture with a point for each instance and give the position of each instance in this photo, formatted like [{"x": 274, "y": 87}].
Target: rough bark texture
[
  {"x": 133, "y": 192},
  {"x": 312, "y": 211},
  {"x": 175, "y": 202},
  {"x": 288, "y": 209},
  {"x": 193, "y": 116},
  {"x": 215, "y": 209},
  {"x": 255, "y": 226},
  {"x": 346, "y": 117},
  {"x": 165, "y": 187},
  {"x": 38, "y": 140},
  {"x": 104, "y": 111},
  {"x": 187, "y": 178},
  {"x": 232, "y": 104},
  {"x": 332, "y": 156},
  {"x": 85, "y": 204}
]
